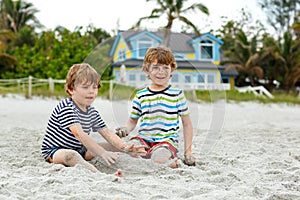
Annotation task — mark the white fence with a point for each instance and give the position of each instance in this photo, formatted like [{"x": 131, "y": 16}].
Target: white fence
[
  {"x": 26, "y": 84},
  {"x": 258, "y": 91}
]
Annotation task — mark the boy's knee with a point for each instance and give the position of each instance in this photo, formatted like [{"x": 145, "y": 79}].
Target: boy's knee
[
  {"x": 71, "y": 157},
  {"x": 161, "y": 155}
]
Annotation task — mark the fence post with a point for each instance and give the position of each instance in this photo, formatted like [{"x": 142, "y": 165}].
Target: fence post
[
  {"x": 194, "y": 92},
  {"x": 51, "y": 85},
  {"x": 111, "y": 83},
  {"x": 19, "y": 84},
  {"x": 29, "y": 86}
]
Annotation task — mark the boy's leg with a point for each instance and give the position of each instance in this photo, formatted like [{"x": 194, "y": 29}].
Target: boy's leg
[
  {"x": 162, "y": 154},
  {"x": 71, "y": 158}
]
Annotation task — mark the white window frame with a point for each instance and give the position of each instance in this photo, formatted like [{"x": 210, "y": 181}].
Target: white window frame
[
  {"x": 148, "y": 43},
  {"x": 206, "y": 43},
  {"x": 122, "y": 54}
]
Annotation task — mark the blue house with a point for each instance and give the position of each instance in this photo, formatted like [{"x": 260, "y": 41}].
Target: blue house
[{"x": 197, "y": 58}]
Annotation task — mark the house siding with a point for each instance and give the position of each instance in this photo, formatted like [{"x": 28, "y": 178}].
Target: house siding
[{"x": 190, "y": 65}]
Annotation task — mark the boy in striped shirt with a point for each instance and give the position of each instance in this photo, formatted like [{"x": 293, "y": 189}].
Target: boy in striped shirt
[
  {"x": 159, "y": 107},
  {"x": 67, "y": 139}
]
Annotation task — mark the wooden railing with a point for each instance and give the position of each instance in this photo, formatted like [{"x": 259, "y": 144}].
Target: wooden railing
[{"x": 27, "y": 84}]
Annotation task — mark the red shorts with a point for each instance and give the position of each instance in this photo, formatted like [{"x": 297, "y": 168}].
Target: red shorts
[{"x": 150, "y": 146}]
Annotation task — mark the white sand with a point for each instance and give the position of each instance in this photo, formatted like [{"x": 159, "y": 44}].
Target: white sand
[{"x": 243, "y": 151}]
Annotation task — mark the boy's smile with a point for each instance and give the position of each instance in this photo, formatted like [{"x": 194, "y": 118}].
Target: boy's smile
[{"x": 159, "y": 74}]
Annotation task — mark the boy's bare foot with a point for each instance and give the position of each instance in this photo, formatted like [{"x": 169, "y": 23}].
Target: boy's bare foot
[
  {"x": 174, "y": 163},
  {"x": 119, "y": 173},
  {"x": 189, "y": 160}
]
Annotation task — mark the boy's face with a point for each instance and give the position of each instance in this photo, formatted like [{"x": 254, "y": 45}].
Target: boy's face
[
  {"x": 159, "y": 74},
  {"x": 84, "y": 94}
]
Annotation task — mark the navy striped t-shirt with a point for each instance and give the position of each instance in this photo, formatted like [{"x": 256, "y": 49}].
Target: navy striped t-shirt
[{"x": 64, "y": 115}]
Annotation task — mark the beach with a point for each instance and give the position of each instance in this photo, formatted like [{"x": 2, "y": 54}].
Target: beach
[{"x": 245, "y": 150}]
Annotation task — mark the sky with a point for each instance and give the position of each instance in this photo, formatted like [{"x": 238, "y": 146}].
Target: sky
[{"x": 111, "y": 15}]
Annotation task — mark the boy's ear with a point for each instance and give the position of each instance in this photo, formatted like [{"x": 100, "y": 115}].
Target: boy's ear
[{"x": 70, "y": 91}]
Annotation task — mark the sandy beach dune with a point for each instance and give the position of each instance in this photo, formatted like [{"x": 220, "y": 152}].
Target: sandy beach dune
[{"x": 244, "y": 151}]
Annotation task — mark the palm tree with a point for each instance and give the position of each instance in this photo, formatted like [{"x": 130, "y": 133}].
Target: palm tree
[
  {"x": 174, "y": 9},
  {"x": 17, "y": 14},
  {"x": 243, "y": 57},
  {"x": 281, "y": 60},
  {"x": 271, "y": 61},
  {"x": 290, "y": 51},
  {"x": 7, "y": 62}
]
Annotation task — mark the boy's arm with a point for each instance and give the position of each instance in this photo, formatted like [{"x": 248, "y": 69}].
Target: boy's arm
[
  {"x": 90, "y": 144},
  {"x": 188, "y": 134},
  {"x": 119, "y": 144},
  {"x": 130, "y": 125},
  {"x": 188, "y": 139}
]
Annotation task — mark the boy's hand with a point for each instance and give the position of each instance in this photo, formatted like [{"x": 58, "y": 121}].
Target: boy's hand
[
  {"x": 135, "y": 151},
  {"x": 109, "y": 157},
  {"x": 189, "y": 160},
  {"x": 122, "y": 132}
]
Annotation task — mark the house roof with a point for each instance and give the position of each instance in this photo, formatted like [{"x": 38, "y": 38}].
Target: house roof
[{"x": 180, "y": 42}]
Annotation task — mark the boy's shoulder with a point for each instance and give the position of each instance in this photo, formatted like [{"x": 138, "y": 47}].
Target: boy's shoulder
[
  {"x": 142, "y": 91},
  {"x": 175, "y": 89},
  {"x": 64, "y": 103}
]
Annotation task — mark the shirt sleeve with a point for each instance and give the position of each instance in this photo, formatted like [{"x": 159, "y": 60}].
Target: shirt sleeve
[
  {"x": 97, "y": 122},
  {"x": 136, "y": 108},
  {"x": 182, "y": 105},
  {"x": 67, "y": 117}
]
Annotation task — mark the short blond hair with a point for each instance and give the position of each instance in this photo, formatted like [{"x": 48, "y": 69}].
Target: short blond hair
[
  {"x": 162, "y": 55},
  {"x": 81, "y": 73}
]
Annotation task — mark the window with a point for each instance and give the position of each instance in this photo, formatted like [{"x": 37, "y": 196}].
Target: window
[
  {"x": 200, "y": 78},
  {"x": 143, "y": 77},
  {"x": 187, "y": 78},
  {"x": 131, "y": 77},
  {"x": 143, "y": 45},
  {"x": 206, "y": 50},
  {"x": 210, "y": 78},
  {"x": 175, "y": 78},
  {"x": 122, "y": 54}
]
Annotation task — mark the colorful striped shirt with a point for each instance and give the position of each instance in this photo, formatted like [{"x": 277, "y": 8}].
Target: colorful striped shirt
[
  {"x": 64, "y": 115},
  {"x": 159, "y": 113}
]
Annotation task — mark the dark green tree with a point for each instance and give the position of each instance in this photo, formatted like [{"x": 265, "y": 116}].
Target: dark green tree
[
  {"x": 243, "y": 56},
  {"x": 53, "y": 53}
]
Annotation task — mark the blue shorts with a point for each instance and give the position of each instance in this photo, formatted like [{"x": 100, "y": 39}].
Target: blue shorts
[{"x": 82, "y": 151}]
